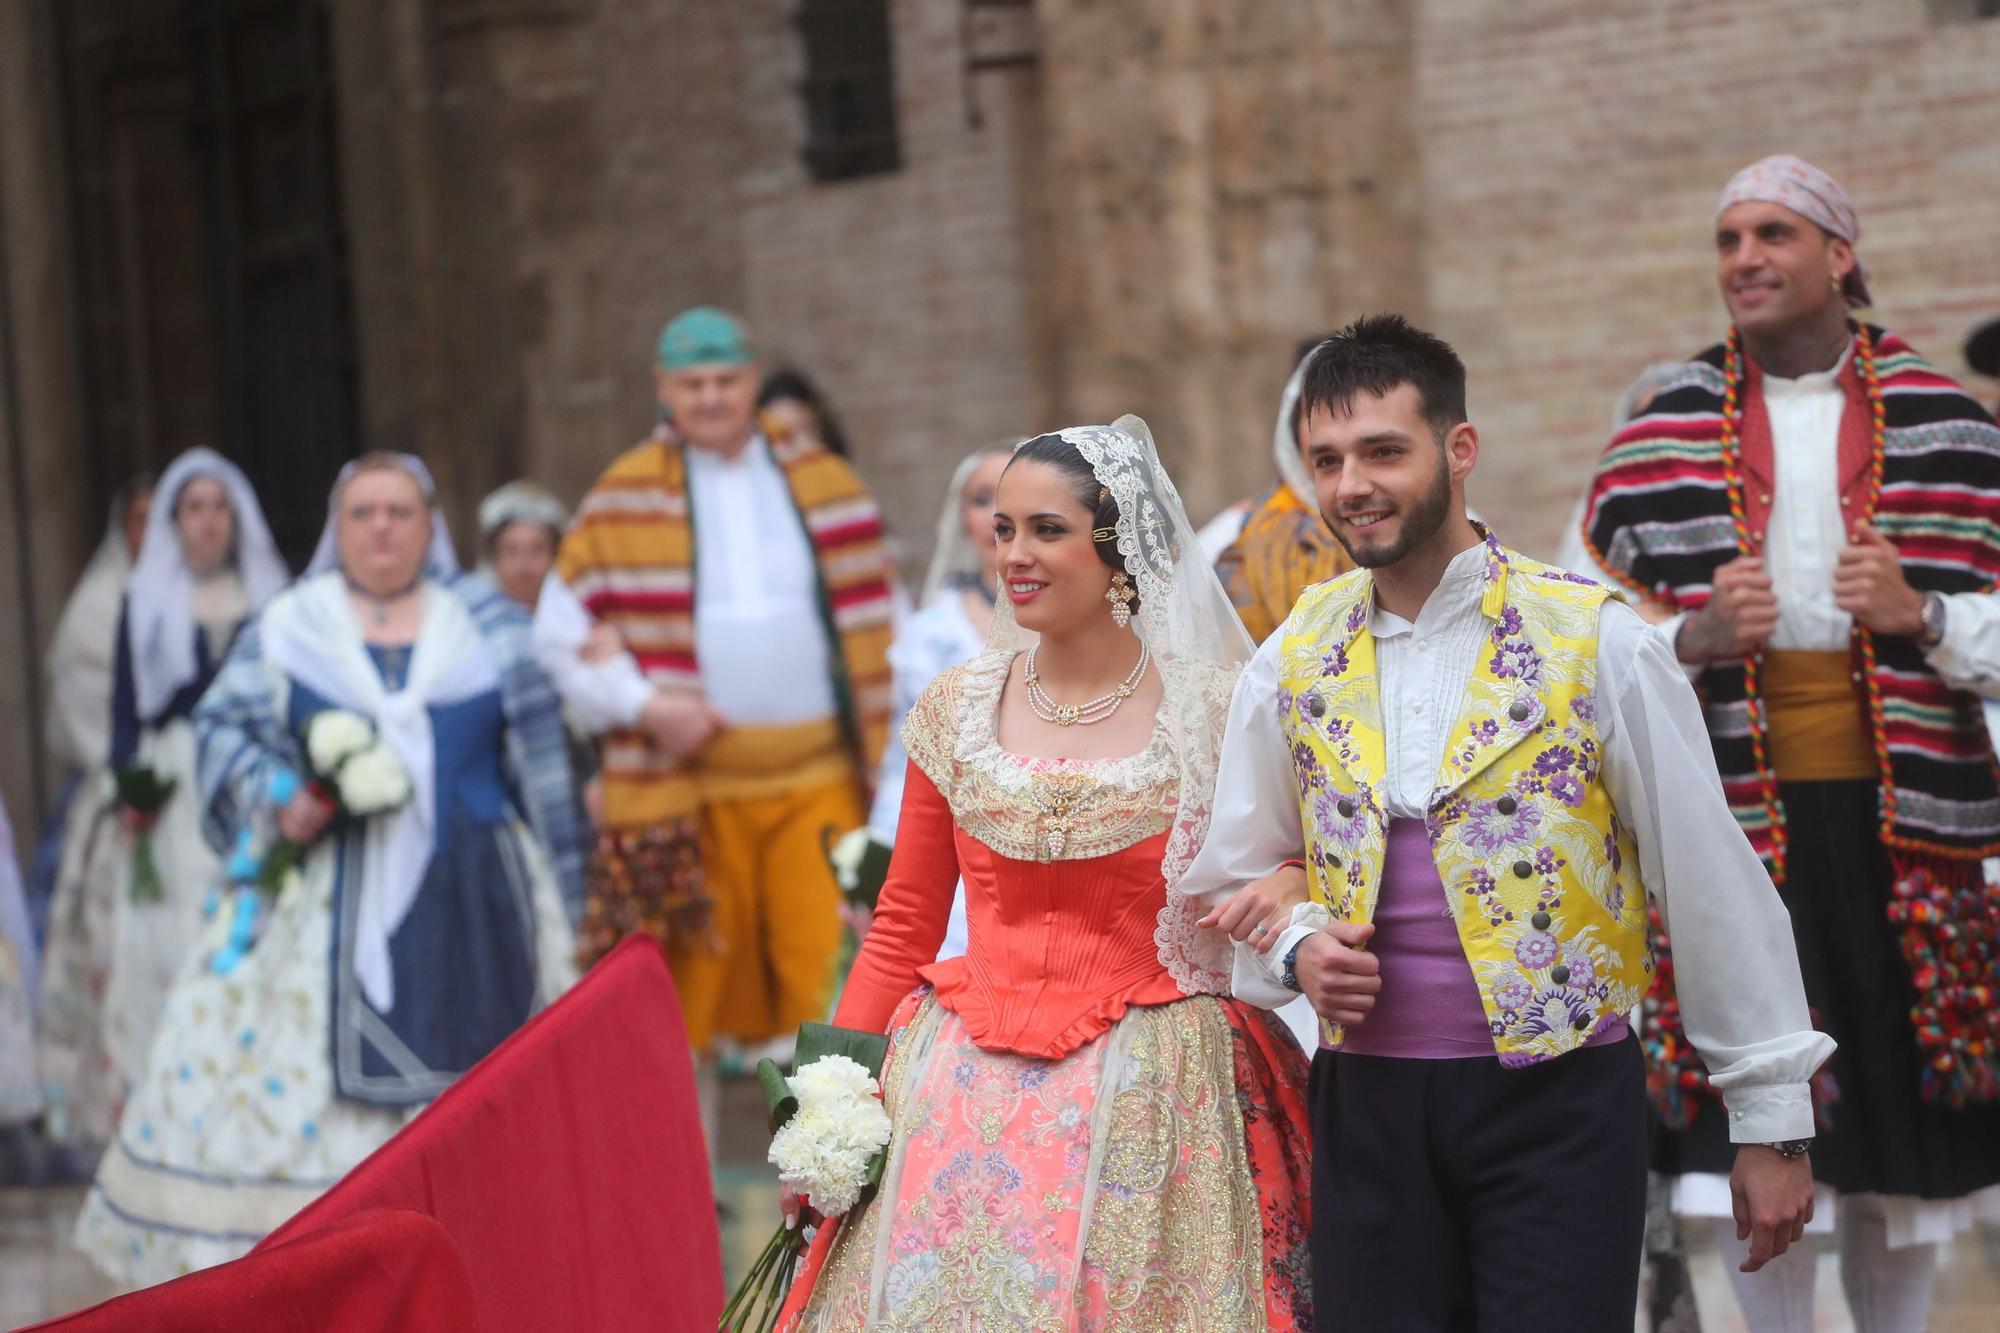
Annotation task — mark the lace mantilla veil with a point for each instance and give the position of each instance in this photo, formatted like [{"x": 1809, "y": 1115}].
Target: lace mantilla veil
[{"x": 1199, "y": 645}]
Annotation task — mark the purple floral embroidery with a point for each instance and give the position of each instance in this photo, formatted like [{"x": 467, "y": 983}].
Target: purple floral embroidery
[
  {"x": 1555, "y": 759},
  {"x": 1614, "y": 899},
  {"x": 1547, "y": 862},
  {"x": 1357, "y": 616},
  {"x": 1517, "y": 660},
  {"x": 1485, "y": 731},
  {"x": 1582, "y": 967},
  {"x": 1334, "y": 826},
  {"x": 1514, "y": 991},
  {"x": 1508, "y": 625},
  {"x": 1566, "y": 787},
  {"x": 1285, "y": 700},
  {"x": 1584, "y": 707},
  {"x": 1487, "y": 830},
  {"x": 1537, "y": 948},
  {"x": 1557, "y": 1010},
  {"x": 1333, "y": 661}
]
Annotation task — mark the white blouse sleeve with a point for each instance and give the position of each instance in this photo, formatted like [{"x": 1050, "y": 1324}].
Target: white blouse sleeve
[
  {"x": 1736, "y": 969},
  {"x": 601, "y": 695},
  {"x": 1254, "y": 827}
]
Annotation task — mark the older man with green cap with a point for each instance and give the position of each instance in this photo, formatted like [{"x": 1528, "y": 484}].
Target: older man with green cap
[{"x": 720, "y": 612}]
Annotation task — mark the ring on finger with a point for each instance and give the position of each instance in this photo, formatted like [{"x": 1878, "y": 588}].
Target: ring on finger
[{"x": 1261, "y": 931}]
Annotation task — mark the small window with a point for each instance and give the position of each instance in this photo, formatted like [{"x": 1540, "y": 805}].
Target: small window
[
  {"x": 1962, "y": 11},
  {"x": 850, "y": 89}
]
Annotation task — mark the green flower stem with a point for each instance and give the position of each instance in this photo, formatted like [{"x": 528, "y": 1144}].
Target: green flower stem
[{"x": 146, "y": 886}]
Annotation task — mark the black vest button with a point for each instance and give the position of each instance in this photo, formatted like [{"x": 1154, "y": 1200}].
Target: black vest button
[
  {"x": 1559, "y": 974},
  {"x": 1522, "y": 869},
  {"x": 1506, "y": 805},
  {"x": 1315, "y": 705},
  {"x": 1518, "y": 711},
  {"x": 1346, "y": 808},
  {"x": 1540, "y": 921}
]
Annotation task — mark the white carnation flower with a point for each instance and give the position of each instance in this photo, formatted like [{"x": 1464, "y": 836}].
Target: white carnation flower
[
  {"x": 824, "y": 1150},
  {"x": 373, "y": 781},
  {"x": 335, "y": 736},
  {"x": 846, "y": 857}
]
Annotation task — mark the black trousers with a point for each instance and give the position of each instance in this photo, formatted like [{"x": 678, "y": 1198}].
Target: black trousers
[{"x": 1458, "y": 1195}]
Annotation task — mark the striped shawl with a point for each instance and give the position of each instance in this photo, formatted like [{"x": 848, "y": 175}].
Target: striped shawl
[
  {"x": 1667, "y": 509},
  {"x": 629, "y": 557}
]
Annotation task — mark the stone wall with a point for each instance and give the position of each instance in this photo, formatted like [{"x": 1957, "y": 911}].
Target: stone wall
[{"x": 1223, "y": 180}]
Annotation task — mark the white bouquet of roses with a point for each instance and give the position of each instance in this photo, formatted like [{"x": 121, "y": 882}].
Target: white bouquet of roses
[
  {"x": 353, "y": 770},
  {"x": 829, "y": 1141},
  {"x": 350, "y": 758}
]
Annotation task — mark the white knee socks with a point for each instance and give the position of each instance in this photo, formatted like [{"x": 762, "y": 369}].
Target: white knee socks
[
  {"x": 1888, "y": 1291},
  {"x": 1777, "y": 1298}
]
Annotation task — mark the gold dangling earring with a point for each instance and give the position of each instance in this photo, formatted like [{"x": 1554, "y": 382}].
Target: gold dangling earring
[{"x": 1121, "y": 597}]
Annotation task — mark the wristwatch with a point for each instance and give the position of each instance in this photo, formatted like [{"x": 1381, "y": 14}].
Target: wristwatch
[
  {"x": 1289, "y": 979},
  {"x": 1932, "y": 633},
  {"x": 1790, "y": 1149}
]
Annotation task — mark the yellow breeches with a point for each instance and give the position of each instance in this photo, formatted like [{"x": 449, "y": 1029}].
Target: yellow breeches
[{"x": 767, "y": 963}]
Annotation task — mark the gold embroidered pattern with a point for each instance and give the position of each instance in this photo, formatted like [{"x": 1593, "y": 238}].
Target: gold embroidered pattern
[
  {"x": 1142, "y": 1217},
  {"x": 1026, "y": 808}
]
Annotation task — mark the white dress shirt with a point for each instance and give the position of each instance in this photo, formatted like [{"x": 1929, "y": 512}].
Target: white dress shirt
[
  {"x": 1735, "y": 967},
  {"x": 759, "y": 637},
  {"x": 760, "y": 642}
]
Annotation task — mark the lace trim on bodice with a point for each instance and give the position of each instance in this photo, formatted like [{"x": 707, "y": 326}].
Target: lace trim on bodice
[{"x": 1033, "y": 809}]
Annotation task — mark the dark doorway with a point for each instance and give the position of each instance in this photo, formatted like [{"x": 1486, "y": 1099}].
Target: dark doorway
[{"x": 209, "y": 246}]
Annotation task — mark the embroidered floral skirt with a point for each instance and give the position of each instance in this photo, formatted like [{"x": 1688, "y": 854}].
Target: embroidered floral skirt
[
  {"x": 1155, "y": 1178},
  {"x": 236, "y": 1125},
  {"x": 111, "y": 956}
]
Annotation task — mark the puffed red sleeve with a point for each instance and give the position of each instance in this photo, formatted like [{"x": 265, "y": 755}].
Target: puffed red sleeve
[{"x": 912, "y": 912}]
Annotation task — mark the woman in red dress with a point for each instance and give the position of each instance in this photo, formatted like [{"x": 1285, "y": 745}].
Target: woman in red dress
[{"x": 1089, "y": 1133}]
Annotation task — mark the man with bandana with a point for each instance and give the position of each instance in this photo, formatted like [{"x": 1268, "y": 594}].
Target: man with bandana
[
  {"x": 740, "y": 577},
  {"x": 1820, "y": 508}
]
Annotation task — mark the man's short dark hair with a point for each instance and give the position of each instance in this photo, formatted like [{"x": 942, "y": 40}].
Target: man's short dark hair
[{"x": 1374, "y": 355}]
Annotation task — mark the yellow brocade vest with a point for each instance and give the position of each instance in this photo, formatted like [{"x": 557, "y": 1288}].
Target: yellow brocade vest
[{"x": 1539, "y": 875}]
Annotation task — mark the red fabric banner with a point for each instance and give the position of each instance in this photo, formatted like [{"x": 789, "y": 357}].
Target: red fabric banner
[
  {"x": 568, "y": 1166},
  {"x": 379, "y": 1271}
]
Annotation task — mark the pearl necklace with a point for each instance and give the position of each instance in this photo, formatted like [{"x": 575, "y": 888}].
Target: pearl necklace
[{"x": 1084, "y": 714}]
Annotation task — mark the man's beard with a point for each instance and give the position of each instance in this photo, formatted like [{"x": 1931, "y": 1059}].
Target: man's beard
[{"x": 1419, "y": 525}]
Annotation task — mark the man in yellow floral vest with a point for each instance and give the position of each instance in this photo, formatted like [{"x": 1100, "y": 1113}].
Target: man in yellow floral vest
[{"x": 1481, "y": 767}]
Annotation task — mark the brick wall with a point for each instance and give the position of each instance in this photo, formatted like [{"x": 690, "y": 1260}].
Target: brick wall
[
  {"x": 1572, "y": 151},
  {"x": 910, "y": 297}
]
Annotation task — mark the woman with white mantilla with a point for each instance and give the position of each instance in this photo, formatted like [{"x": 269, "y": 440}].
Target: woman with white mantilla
[
  {"x": 117, "y": 933},
  {"x": 419, "y": 937}
]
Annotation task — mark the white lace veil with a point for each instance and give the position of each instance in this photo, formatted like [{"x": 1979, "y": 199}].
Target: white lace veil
[
  {"x": 1200, "y": 647},
  {"x": 953, "y": 561}
]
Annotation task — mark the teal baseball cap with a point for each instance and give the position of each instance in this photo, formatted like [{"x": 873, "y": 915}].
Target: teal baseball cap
[{"x": 705, "y": 336}]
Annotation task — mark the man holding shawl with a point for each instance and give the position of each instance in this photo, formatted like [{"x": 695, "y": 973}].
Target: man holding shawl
[
  {"x": 1819, "y": 506},
  {"x": 740, "y": 579}
]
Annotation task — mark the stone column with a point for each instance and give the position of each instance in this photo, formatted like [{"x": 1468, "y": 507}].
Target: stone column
[
  {"x": 1221, "y": 181},
  {"x": 47, "y": 523}
]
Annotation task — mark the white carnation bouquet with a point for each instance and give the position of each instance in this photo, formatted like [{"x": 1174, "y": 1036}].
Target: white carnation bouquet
[
  {"x": 829, "y": 1141},
  {"x": 350, "y": 758},
  {"x": 353, "y": 770}
]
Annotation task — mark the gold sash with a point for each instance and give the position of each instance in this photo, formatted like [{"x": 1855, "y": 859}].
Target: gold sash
[{"x": 1815, "y": 719}]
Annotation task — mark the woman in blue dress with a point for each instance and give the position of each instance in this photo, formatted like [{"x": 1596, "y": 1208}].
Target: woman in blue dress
[
  {"x": 118, "y": 926},
  {"x": 408, "y": 944}
]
